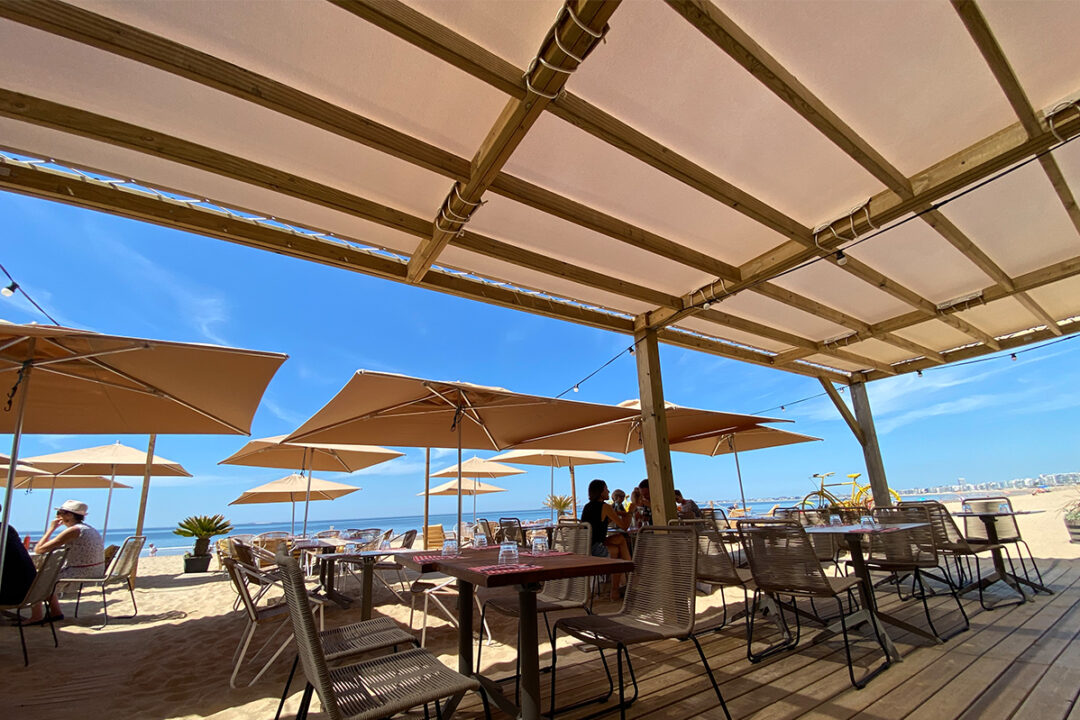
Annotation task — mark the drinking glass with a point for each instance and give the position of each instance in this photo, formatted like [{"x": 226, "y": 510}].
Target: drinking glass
[
  {"x": 836, "y": 520},
  {"x": 480, "y": 540},
  {"x": 1003, "y": 507},
  {"x": 539, "y": 545},
  {"x": 449, "y": 547},
  {"x": 508, "y": 553},
  {"x": 867, "y": 521}
]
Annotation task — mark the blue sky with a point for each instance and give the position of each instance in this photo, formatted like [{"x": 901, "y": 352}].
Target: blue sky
[{"x": 994, "y": 420}]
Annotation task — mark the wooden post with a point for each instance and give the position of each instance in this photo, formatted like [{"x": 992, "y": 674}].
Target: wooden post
[
  {"x": 142, "y": 500},
  {"x": 654, "y": 432},
  {"x": 573, "y": 492},
  {"x": 427, "y": 488},
  {"x": 875, "y": 468}
]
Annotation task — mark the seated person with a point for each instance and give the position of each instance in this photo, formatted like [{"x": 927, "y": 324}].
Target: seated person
[
  {"x": 641, "y": 505},
  {"x": 687, "y": 508},
  {"x": 618, "y": 501},
  {"x": 19, "y": 570},
  {"x": 86, "y": 552},
  {"x": 598, "y": 514}
]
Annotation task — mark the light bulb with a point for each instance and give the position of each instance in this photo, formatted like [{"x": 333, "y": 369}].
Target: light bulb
[
  {"x": 841, "y": 258},
  {"x": 782, "y": 408},
  {"x": 9, "y": 290},
  {"x": 577, "y": 389},
  {"x": 919, "y": 373},
  {"x": 1013, "y": 356},
  {"x": 706, "y": 305}
]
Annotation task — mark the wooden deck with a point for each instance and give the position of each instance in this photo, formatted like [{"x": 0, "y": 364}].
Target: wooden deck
[{"x": 1014, "y": 662}]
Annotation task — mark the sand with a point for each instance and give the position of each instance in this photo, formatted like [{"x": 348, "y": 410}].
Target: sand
[{"x": 173, "y": 660}]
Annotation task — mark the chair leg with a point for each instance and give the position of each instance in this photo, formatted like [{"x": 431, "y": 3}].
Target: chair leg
[
  {"x": 1033, "y": 563},
  {"x": 56, "y": 641},
  {"x": 480, "y": 640},
  {"x": 104, "y": 605},
  {"x": 860, "y": 684},
  {"x": 712, "y": 678},
  {"x": 78, "y": 596},
  {"x": 241, "y": 652},
  {"x": 305, "y": 703},
  {"x": 288, "y": 682},
  {"x": 22, "y": 638}
]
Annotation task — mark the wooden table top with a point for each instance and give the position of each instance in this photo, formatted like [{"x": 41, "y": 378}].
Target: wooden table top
[{"x": 551, "y": 567}]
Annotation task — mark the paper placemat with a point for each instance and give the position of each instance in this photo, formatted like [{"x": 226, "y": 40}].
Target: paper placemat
[
  {"x": 501, "y": 569},
  {"x": 435, "y": 558}
]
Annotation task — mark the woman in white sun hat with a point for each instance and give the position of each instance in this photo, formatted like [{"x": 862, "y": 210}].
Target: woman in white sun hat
[{"x": 86, "y": 552}]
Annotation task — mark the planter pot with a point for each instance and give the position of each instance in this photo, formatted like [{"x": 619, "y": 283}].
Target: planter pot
[
  {"x": 1074, "y": 531},
  {"x": 197, "y": 564}
]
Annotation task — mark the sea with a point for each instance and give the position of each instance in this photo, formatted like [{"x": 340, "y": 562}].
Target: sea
[{"x": 167, "y": 543}]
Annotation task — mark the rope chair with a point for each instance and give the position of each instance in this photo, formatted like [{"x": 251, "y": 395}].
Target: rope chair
[
  {"x": 910, "y": 551},
  {"x": 783, "y": 562},
  {"x": 39, "y": 591},
  {"x": 388, "y": 564},
  {"x": 120, "y": 570},
  {"x": 827, "y": 548},
  {"x": 1008, "y": 532},
  {"x": 328, "y": 534},
  {"x": 659, "y": 605},
  {"x": 951, "y": 543},
  {"x": 511, "y": 530},
  {"x": 564, "y": 594},
  {"x": 715, "y": 566},
  {"x": 378, "y": 688},
  {"x": 490, "y": 531}
]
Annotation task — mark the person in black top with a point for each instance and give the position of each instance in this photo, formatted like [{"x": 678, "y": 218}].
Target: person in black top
[
  {"x": 598, "y": 514},
  {"x": 19, "y": 570}
]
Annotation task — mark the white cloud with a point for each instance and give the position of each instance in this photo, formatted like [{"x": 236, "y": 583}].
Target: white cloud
[{"x": 287, "y": 416}]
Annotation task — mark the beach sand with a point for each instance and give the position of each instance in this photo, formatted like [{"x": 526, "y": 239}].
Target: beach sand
[{"x": 174, "y": 659}]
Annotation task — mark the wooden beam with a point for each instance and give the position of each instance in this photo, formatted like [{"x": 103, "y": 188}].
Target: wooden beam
[
  {"x": 730, "y": 38},
  {"x": 875, "y": 467},
  {"x": 845, "y": 413},
  {"x": 578, "y": 27},
  {"x": 654, "y": 430}
]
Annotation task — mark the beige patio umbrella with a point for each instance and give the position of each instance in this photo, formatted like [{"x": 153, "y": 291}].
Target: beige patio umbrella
[
  {"x": 475, "y": 468},
  {"x": 292, "y": 488},
  {"x": 557, "y": 458},
  {"x": 111, "y": 460},
  {"x": 388, "y": 409},
  {"x": 274, "y": 453},
  {"x": 64, "y": 380},
  {"x": 66, "y": 482}
]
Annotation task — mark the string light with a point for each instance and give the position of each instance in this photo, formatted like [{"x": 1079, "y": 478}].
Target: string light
[
  {"x": 1013, "y": 356},
  {"x": 10, "y": 289},
  {"x": 841, "y": 258},
  {"x": 919, "y": 373},
  {"x": 577, "y": 389}
]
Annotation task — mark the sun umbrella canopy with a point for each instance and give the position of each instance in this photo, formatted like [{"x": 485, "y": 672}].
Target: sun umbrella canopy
[
  {"x": 273, "y": 453},
  {"x": 21, "y": 470},
  {"x": 68, "y": 482},
  {"x": 623, "y": 435},
  {"x": 469, "y": 486},
  {"x": 755, "y": 438},
  {"x": 83, "y": 382},
  {"x": 555, "y": 458},
  {"x": 390, "y": 409},
  {"x": 115, "y": 459},
  {"x": 476, "y": 467},
  {"x": 293, "y": 488}
]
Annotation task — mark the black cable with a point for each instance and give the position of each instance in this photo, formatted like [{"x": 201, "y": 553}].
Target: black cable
[{"x": 26, "y": 295}]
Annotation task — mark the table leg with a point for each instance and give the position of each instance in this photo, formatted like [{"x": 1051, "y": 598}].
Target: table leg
[
  {"x": 465, "y": 631},
  {"x": 326, "y": 577},
  {"x": 366, "y": 576},
  {"x": 866, "y": 594},
  {"x": 529, "y": 653}
]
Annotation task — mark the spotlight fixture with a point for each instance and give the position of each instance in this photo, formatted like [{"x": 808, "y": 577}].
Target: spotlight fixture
[
  {"x": 841, "y": 258},
  {"x": 10, "y": 289}
]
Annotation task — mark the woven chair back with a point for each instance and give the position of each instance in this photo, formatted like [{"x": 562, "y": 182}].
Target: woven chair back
[
  {"x": 714, "y": 564},
  {"x": 272, "y": 535},
  {"x": 717, "y": 517},
  {"x": 239, "y": 581},
  {"x": 910, "y": 548},
  {"x": 512, "y": 530},
  {"x": 946, "y": 533},
  {"x": 786, "y": 513},
  {"x": 826, "y": 547},
  {"x": 328, "y": 534},
  {"x": 1006, "y": 527},
  {"x": 490, "y": 531},
  {"x": 241, "y": 551},
  {"x": 308, "y": 646},
  {"x": 270, "y": 546},
  {"x": 782, "y": 558},
  {"x": 575, "y": 539},
  {"x": 125, "y": 561},
  {"x": 45, "y": 580},
  {"x": 404, "y": 540},
  {"x": 662, "y": 589}
]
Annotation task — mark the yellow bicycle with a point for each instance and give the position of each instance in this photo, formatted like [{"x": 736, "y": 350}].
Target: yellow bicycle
[{"x": 861, "y": 495}]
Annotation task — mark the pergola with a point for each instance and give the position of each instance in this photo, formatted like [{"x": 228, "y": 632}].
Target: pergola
[{"x": 847, "y": 191}]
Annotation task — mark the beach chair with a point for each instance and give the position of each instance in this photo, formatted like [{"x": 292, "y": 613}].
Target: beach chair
[
  {"x": 38, "y": 592},
  {"x": 434, "y": 537},
  {"x": 403, "y": 541},
  {"x": 556, "y": 596},
  {"x": 1008, "y": 533},
  {"x": 512, "y": 530},
  {"x": 783, "y": 562},
  {"x": 376, "y": 688},
  {"x": 328, "y": 534},
  {"x": 120, "y": 570},
  {"x": 491, "y": 532},
  {"x": 659, "y": 605},
  {"x": 910, "y": 551}
]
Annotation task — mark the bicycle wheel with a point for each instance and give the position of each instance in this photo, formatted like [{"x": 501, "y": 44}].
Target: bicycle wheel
[
  {"x": 865, "y": 497},
  {"x": 816, "y": 500}
]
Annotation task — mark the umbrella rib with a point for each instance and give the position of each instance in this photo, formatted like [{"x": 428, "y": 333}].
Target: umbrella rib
[
  {"x": 87, "y": 356},
  {"x": 13, "y": 342},
  {"x": 368, "y": 416}
]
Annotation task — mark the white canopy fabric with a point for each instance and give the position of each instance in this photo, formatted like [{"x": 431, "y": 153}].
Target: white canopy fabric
[
  {"x": 476, "y": 467},
  {"x": 292, "y": 489},
  {"x": 699, "y": 168}
]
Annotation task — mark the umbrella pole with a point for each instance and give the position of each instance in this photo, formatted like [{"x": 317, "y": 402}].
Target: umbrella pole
[
  {"x": 48, "y": 507},
  {"x": 108, "y": 505},
  {"x": 474, "y": 505},
  {"x": 573, "y": 488},
  {"x": 738, "y": 470},
  {"x": 427, "y": 487},
  {"x": 20, "y": 411},
  {"x": 459, "y": 480},
  {"x": 307, "y": 493},
  {"x": 552, "y": 495},
  {"x": 292, "y": 521}
]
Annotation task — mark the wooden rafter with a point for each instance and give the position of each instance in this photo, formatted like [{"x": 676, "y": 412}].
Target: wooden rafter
[
  {"x": 105, "y": 197},
  {"x": 578, "y": 28}
]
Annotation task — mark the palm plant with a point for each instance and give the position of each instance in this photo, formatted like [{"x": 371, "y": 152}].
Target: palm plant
[
  {"x": 202, "y": 528},
  {"x": 561, "y": 504}
]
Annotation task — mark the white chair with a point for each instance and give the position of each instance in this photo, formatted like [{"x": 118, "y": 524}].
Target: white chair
[
  {"x": 38, "y": 592},
  {"x": 120, "y": 570}
]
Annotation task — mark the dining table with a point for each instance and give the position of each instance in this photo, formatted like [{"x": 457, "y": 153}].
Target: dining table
[
  {"x": 1000, "y": 574},
  {"x": 367, "y": 559},
  {"x": 480, "y": 568},
  {"x": 853, "y": 536}
]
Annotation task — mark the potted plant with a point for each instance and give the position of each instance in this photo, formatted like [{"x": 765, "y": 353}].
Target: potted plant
[
  {"x": 561, "y": 504},
  {"x": 202, "y": 528},
  {"x": 1072, "y": 520}
]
